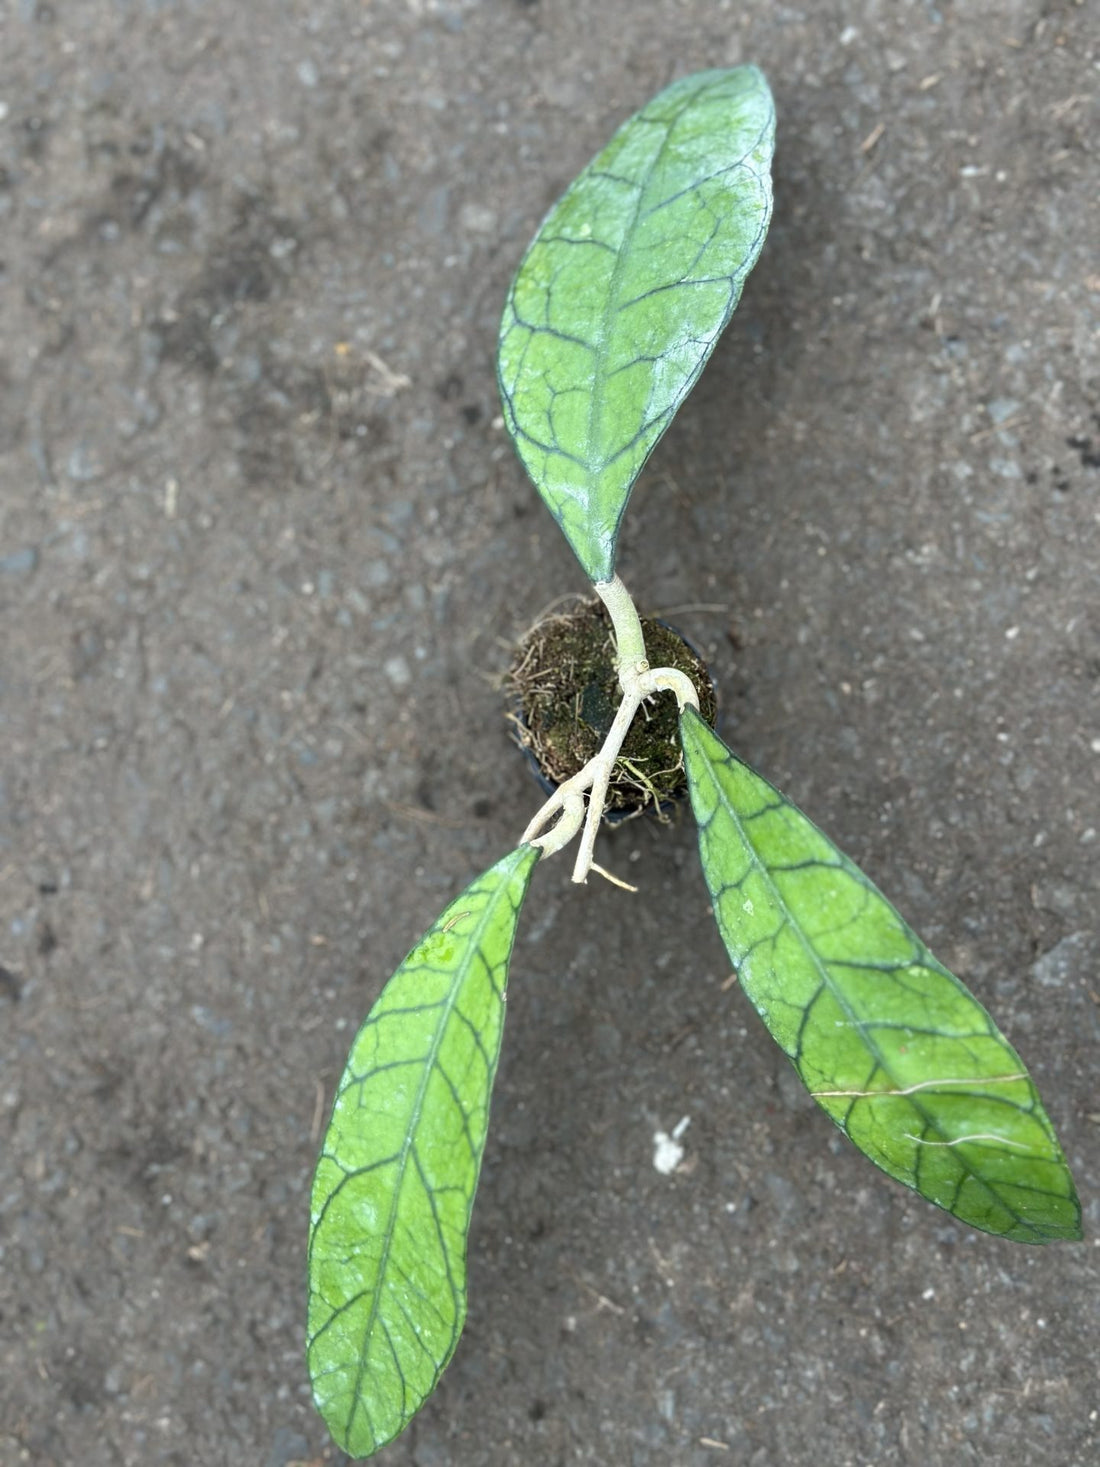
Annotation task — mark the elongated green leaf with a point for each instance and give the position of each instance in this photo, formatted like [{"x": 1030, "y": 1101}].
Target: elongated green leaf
[
  {"x": 887, "y": 1041},
  {"x": 624, "y": 291},
  {"x": 396, "y": 1180}
]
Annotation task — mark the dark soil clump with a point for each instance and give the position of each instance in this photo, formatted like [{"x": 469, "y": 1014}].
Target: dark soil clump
[{"x": 566, "y": 695}]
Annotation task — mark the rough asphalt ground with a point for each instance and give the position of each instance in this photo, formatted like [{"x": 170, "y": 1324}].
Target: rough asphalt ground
[{"x": 263, "y": 551}]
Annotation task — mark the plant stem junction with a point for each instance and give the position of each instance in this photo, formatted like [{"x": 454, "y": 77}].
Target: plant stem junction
[{"x": 638, "y": 681}]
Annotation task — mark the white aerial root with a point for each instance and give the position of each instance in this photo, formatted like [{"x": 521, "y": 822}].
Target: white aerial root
[{"x": 638, "y": 682}]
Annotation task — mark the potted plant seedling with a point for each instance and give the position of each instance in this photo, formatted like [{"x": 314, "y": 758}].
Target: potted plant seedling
[{"x": 613, "y": 312}]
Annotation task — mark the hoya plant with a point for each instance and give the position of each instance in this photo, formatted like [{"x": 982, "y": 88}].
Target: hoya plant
[{"x": 611, "y": 317}]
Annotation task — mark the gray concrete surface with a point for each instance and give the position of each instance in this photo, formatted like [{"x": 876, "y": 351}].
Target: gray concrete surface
[{"x": 262, "y": 551}]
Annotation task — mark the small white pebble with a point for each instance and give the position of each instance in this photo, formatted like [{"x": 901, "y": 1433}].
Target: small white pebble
[{"x": 667, "y": 1151}]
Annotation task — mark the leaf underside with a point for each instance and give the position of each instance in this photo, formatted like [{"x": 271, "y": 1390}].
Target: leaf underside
[
  {"x": 393, "y": 1190},
  {"x": 891, "y": 1045},
  {"x": 624, "y": 292}
]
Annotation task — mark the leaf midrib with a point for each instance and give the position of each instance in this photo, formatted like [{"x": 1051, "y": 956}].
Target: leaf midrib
[
  {"x": 827, "y": 980},
  {"x": 406, "y": 1147},
  {"x": 596, "y": 403}
]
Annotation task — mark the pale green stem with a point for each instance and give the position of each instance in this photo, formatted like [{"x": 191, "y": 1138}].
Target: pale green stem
[{"x": 630, "y": 653}]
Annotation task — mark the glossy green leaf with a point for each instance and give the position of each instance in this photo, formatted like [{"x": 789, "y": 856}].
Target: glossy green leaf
[
  {"x": 624, "y": 292},
  {"x": 901, "y": 1056},
  {"x": 396, "y": 1179}
]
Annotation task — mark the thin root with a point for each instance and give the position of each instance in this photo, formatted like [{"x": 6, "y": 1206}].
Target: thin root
[{"x": 610, "y": 876}]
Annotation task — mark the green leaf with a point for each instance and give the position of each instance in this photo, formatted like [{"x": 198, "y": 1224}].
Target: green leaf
[
  {"x": 624, "y": 292},
  {"x": 396, "y": 1179},
  {"x": 901, "y": 1056}
]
